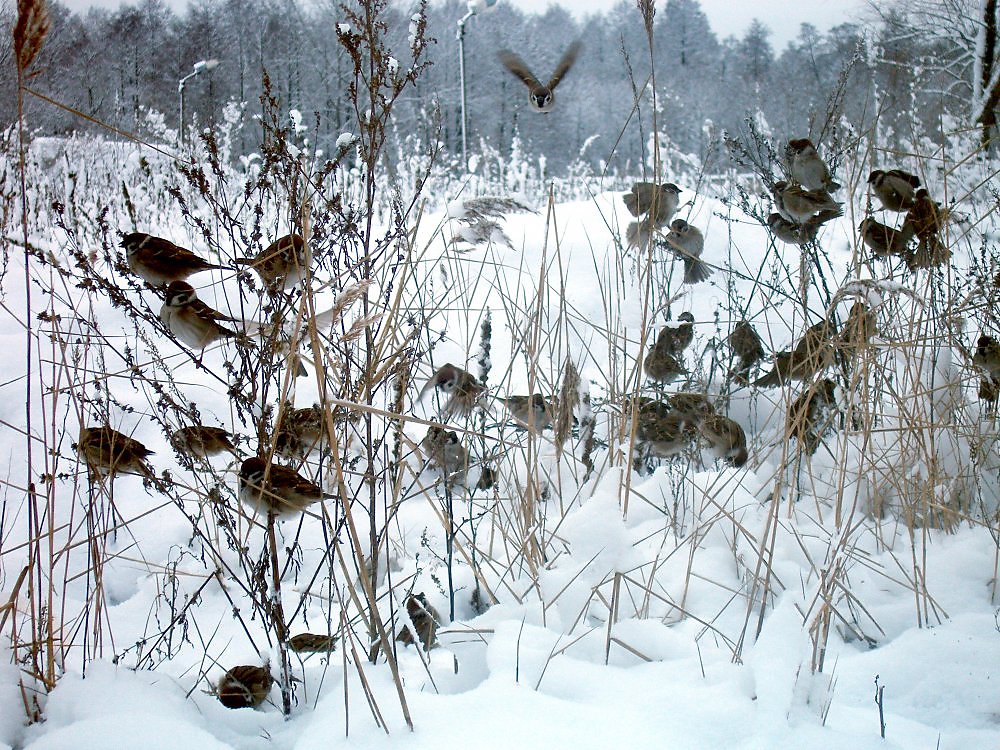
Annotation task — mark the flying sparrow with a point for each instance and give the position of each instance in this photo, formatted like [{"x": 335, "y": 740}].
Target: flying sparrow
[
  {"x": 280, "y": 264},
  {"x": 640, "y": 233},
  {"x": 424, "y": 619},
  {"x": 533, "y": 412},
  {"x": 726, "y": 437},
  {"x": 798, "y": 205},
  {"x": 657, "y": 202},
  {"x": 748, "y": 348},
  {"x": 462, "y": 389},
  {"x": 688, "y": 242},
  {"x": 805, "y": 419},
  {"x": 885, "y": 241},
  {"x": 540, "y": 97},
  {"x": 800, "y": 234},
  {"x": 896, "y": 189},
  {"x": 191, "y": 320},
  {"x": 160, "y": 261},
  {"x": 107, "y": 451},
  {"x": 445, "y": 452},
  {"x": 813, "y": 353},
  {"x": 310, "y": 643},
  {"x": 202, "y": 441},
  {"x": 276, "y": 489},
  {"x": 244, "y": 687},
  {"x": 987, "y": 356},
  {"x": 806, "y": 166},
  {"x": 925, "y": 219}
]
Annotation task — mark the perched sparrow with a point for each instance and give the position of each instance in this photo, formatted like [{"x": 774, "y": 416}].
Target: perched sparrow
[
  {"x": 284, "y": 492},
  {"x": 310, "y": 643},
  {"x": 461, "y": 387},
  {"x": 540, "y": 97},
  {"x": 424, "y": 619},
  {"x": 801, "y": 234},
  {"x": 281, "y": 263},
  {"x": 748, "y": 348},
  {"x": 688, "y": 242},
  {"x": 807, "y": 167},
  {"x": 885, "y": 241},
  {"x": 813, "y": 353},
  {"x": 160, "y": 261},
  {"x": 925, "y": 219},
  {"x": 989, "y": 389},
  {"x": 663, "y": 432},
  {"x": 726, "y": 437},
  {"x": 860, "y": 326},
  {"x": 805, "y": 419},
  {"x": 987, "y": 356},
  {"x": 533, "y": 412},
  {"x": 677, "y": 337},
  {"x": 693, "y": 405},
  {"x": 191, "y": 320},
  {"x": 244, "y": 687},
  {"x": 303, "y": 430},
  {"x": 896, "y": 189},
  {"x": 202, "y": 441},
  {"x": 107, "y": 451},
  {"x": 660, "y": 363},
  {"x": 798, "y": 205},
  {"x": 658, "y": 202},
  {"x": 445, "y": 452}
]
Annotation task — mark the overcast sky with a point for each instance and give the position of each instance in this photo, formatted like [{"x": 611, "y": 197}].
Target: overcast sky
[{"x": 728, "y": 17}]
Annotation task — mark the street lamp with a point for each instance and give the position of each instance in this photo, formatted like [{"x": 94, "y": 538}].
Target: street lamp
[
  {"x": 199, "y": 67},
  {"x": 474, "y": 6}
]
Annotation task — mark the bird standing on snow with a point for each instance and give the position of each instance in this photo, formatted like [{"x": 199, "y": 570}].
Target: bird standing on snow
[
  {"x": 726, "y": 437},
  {"x": 245, "y": 686},
  {"x": 541, "y": 97}
]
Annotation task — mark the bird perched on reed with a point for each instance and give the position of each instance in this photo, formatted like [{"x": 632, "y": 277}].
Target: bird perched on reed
[
  {"x": 280, "y": 264},
  {"x": 660, "y": 364},
  {"x": 860, "y": 327},
  {"x": 987, "y": 356},
  {"x": 925, "y": 219},
  {"x": 444, "y": 451},
  {"x": 726, "y": 438},
  {"x": 202, "y": 441},
  {"x": 541, "y": 97},
  {"x": 896, "y": 189},
  {"x": 424, "y": 619},
  {"x": 245, "y": 686},
  {"x": 159, "y": 261},
  {"x": 461, "y": 388},
  {"x": 806, "y": 166},
  {"x": 276, "y": 490},
  {"x": 533, "y": 412},
  {"x": 748, "y": 348},
  {"x": 798, "y": 205},
  {"x": 688, "y": 243},
  {"x": 805, "y": 419},
  {"x": 812, "y": 354},
  {"x": 801, "y": 234},
  {"x": 109, "y": 452},
  {"x": 303, "y": 430},
  {"x": 192, "y": 321},
  {"x": 885, "y": 241}
]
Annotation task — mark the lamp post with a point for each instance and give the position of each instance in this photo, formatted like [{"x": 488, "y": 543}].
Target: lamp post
[
  {"x": 474, "y": 6},
  {"x": 199, "y": 67}
]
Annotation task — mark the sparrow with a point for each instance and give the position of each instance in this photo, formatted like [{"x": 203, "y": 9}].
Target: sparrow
[
  {"x": 688, "y": 404},
  {"x": 726, "y": 437},
  {"x": 202, "y": 441},
  {"x": 688, "y": 242},
  {"x": 462, "y": 389},
  {"x": 540, "y": 97},
  {"x": 987, "y": 356},
  {"x": 244, "y": 687},
  {"x": 885, "y": 241},
  {"x": 989, "y": 389},
  {"x": 813, "y": 353},
  {"x": 925, "y": 219},
  {"x": 860, "y": 326},
  {"x": 310, "y": 643},
  {"x": 303, "y": 430},
  {"x": 806, "y": 166},
  {"x": 748, "y": 348},
  {"x": 284, "y": 492},
  {"x": 424, "y": 619},
  {"x": 280, "y": 264},
  {"x": 661, "y": 364},
  {"x": 663, "y": 432},
  {"x": 678, "y": 336},
  {"x": 107, "y": 451},
  {"x": 657, "y": 202},
  {"x": 804, "y": 420},
  {"x": 640, "y": 233},
  {"x": 159, "y": 261},
  {"x": 533, "y": 411},
  {"x": 798, "y": 205},
  {"x": 895, "y": 189},
  {"x": 801, "y": 234},
  {"x": 445, "y": 452},
  {"x": 192, "y": 321}
]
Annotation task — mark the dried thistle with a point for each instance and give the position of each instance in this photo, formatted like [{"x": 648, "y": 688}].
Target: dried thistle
[{"x": 29, "y": 32}]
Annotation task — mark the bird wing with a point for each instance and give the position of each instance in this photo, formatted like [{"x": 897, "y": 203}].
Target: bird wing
[
  {"x": 513, "y": 62},
  {"x": 565, "y": 63}
]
